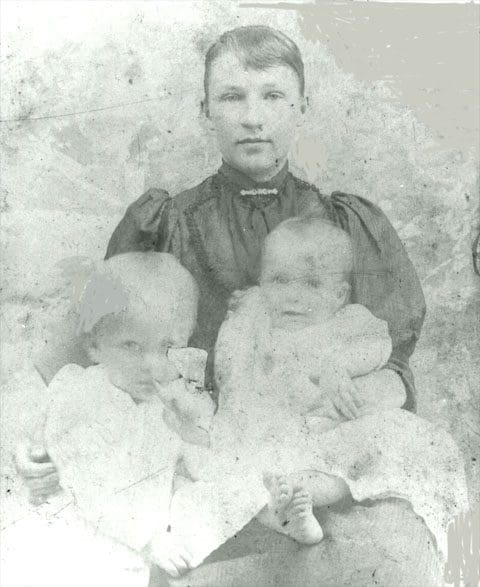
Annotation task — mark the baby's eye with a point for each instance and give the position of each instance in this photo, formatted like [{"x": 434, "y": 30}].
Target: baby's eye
[
  {"x": 280, "y": 279},
  {"x": 167, "y": 345},
  {"x": 131, "y": 345},
  {"x": 313, "y": 282}
]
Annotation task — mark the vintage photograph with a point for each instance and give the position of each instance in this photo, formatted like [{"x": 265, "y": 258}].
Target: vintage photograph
[{"x": 200, "y": 203}]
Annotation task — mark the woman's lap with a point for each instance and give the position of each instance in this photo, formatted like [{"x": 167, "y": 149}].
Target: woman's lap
[{"x": 383, "y": 544}]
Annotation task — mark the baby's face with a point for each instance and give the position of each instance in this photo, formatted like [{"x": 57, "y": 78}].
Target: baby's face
[
  {"x": 254, "y": 113},
  {"x": 133, "y": 347},
  {"x": 299, "y": 292}
]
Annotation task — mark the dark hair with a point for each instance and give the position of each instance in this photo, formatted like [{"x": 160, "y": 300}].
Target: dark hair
[{"x": 259, "y": 47}]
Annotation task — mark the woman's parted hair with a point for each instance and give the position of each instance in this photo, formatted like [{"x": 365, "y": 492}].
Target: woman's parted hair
[{"x": 259, "y": 47}]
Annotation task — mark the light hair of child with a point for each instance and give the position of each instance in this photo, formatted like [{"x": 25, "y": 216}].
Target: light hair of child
[
  {"x": 140, "y": 281},
  {"x": 334, "y": 246},
  {"x": 259, "y": 47}
]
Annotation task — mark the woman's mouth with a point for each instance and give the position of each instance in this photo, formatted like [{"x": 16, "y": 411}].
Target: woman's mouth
[
  {"x": 253, "y": 141},
  {"x": 293, "y": 313}
]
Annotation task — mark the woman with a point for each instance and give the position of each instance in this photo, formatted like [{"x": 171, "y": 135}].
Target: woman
[{"x": 254, "y": 104}]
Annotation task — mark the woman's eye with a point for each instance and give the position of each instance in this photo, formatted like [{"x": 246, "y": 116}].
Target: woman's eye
[
  {"x": 274, "y": 95},
  {"x": 131, "y": 345},
  {"x": 313, "y": 283},
  {"x": 231, "y": 97},
  {"x": 280, "y": 279}
]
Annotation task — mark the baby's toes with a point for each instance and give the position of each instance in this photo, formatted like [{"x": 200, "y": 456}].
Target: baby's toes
[
  {"x": 273, "y": 482},
  {"x": 300, "y": 503},
  {"x": 300, "y": 496},
  {"x": 283, "y": 490},
  {"x": 283, "y": 486},
  {"x": 300, "y": 511}
]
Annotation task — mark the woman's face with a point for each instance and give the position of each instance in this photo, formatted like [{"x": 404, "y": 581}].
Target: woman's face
[{"x": 254, "y": 114}]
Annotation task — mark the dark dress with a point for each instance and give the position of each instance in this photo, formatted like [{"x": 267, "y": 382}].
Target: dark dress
[{"x": 216, "y": 231}]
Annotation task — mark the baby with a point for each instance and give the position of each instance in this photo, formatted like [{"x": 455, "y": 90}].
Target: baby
[
  {"x": 285, "y": 355},
  {"x": 304, "y": 329},
  {"x": 115, "y": 430},
  {"x": 302, "y": 343}
]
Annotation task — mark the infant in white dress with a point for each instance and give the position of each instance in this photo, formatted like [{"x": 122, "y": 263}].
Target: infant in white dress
[
  {"x": 116, "y": 430},
  {"x": 290, "y": 417}
]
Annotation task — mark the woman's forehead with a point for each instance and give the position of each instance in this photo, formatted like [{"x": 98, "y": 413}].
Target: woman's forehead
[{"x": 229, "y": 70}]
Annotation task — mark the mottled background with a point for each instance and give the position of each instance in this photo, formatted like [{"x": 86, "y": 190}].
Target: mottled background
[{"x": 100, "y": 100}]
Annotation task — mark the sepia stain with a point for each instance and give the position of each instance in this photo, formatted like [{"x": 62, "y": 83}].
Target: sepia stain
[
  {"x": 463, "y": 563},
  {"x": 102, "y": 295},
  {"x": 361, "y": 467}
]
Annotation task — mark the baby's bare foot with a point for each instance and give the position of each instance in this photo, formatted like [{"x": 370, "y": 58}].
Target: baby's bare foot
[
  {"x": 281, "y": 493},
  {"x": 300, "y": 523},
  {"x": 291, "y": 506}
]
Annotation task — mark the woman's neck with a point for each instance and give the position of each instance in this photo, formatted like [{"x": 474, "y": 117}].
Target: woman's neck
[{"x": 262, "y": 175}]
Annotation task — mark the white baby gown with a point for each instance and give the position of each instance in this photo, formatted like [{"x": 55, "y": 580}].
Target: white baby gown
[
  {"x": 116, "y": 461},
  {"x": 116, "y": 457},
  {"x": 261, "y": 376}
]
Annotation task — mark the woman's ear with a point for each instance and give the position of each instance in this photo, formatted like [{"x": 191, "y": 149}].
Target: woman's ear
[
  {"x": 303, "y": 110},
  {"x": 305, "y": 104},
  {"x": 205, "y": 116},
  {"x": 91, "y": 347}
]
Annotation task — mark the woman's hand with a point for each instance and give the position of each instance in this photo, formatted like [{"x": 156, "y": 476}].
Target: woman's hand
[
  {"x": 37, "y": 471},
  {"x": 380, "y": 390}
]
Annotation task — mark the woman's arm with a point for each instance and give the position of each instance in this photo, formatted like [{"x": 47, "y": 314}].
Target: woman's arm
[
  {"x": 144, "y": 226},
  {"x": 384, "y": 280}
]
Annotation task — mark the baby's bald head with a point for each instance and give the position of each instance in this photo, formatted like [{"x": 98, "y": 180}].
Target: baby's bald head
[
  {"x": 150, "y": 285},
  {"x": 321, "y": 245}
]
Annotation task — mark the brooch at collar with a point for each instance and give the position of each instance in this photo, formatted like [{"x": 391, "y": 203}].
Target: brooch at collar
[{"x": 259, "y": 192}]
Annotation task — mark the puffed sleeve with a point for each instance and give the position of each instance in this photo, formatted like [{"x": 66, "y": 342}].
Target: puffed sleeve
[
  {"x": 384, "y": 280},
  {"x": 144, "y": 226}
]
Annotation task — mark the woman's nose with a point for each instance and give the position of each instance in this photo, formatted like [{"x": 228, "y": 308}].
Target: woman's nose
[{"x": 253, "y": 114}]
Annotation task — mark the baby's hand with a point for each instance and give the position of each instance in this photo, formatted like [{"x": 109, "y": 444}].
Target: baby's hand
[
  {"x": 172, "y": 392},
  {"x": 344, "y": 398},
  {"x": 189, "y": 413},
  {"x": 334, "y": 382},
  {"x": 170, "y": 556}
]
